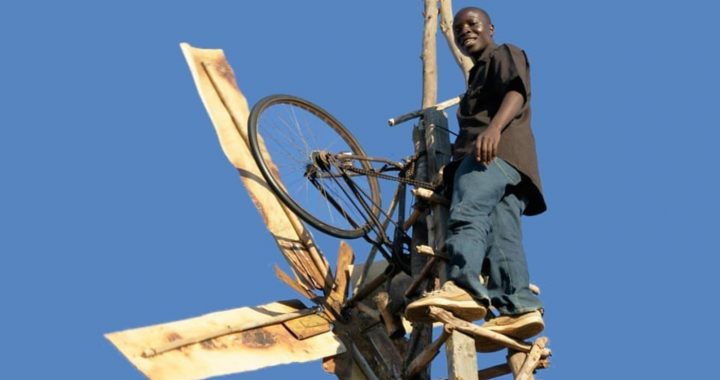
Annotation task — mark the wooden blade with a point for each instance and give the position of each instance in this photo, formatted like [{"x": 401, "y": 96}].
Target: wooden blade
[
  {"x": 228, "y": 109},
  {"x": 228, "y": 353}
]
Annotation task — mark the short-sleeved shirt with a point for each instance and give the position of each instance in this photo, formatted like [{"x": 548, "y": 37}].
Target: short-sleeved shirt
[{"x": 502, "y": 68}]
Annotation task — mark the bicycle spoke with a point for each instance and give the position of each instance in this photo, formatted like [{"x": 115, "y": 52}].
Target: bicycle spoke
[{"x": 297, "y": 135}]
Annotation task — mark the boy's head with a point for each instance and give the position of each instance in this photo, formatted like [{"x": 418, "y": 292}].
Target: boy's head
[{"x": 473, "y": 31}]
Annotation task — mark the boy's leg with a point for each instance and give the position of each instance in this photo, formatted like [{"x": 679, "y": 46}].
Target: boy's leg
[
  {"x": 478, "y": 190},
  {"x": 506, "y": 265},
  {"x": 508, "y": 279}
]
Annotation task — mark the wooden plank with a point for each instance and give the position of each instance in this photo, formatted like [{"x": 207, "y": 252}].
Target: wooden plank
[
  {"x": 292, "y": 283},
  {"x": 179, "y": 341},
  {"x": 460, "y": 351},
  {"x": 338, "y": 294},
  {"x": 226, "y": 354},
  {"x": 228, "y": 110}
]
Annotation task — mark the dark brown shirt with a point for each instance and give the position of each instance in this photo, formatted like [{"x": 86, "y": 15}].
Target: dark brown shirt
[{"x": 502, "y": 68}]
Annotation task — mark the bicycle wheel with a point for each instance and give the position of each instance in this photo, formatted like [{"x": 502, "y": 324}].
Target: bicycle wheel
[{"x": 286, "y": 134}]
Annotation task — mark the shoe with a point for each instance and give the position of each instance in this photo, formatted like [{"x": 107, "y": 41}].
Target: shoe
[
  {"x": 449, "y": 297},
  {"x": 520, "y": 327}
]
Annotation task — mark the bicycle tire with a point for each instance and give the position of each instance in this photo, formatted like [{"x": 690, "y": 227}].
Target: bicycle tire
[{"x": 280, "y": 158}]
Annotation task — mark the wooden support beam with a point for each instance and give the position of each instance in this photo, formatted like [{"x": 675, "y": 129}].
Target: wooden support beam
[
  {"x": 448, "y": 318},
  {"x": 417, "y": 113},
  {"x": 515, "y": 359},
  {"x": 392, "y": 321},
  {"x": 461, "y": 357},
  {"x": 421, "y": 277},
  {"x": 431, "y": 197},
  {"x": 429, "y": 54},
  {"x": 387, "y": 354},
  {"x": 362, "y": 363},
  {"x": 493, "y": 372},
  {"x": 532, "y": 359},
  {"x": 426, "y": 356},
  {"x": 427, "y": 250},
  {"x": 371, "y": 286},
  {"x": 504, "y": 369}
]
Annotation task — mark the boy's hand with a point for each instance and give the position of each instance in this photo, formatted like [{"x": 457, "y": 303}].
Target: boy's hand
[{"x": 486, "y": 145}]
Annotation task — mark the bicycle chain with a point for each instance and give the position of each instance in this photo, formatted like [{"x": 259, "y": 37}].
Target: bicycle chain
[{"x": 414, "y": 182}]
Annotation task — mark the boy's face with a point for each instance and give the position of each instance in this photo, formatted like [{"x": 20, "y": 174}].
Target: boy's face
[{"x": 473, "y": 31}]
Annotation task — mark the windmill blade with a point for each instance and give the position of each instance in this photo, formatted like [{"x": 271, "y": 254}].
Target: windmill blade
[
  {"x": 228, "y": 110},
  {"x": 237, "y": 344}
]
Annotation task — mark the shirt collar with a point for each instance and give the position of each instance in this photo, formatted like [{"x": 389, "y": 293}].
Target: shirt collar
[
  {"x": 485, "y": 56},
  {"x": 481, "y": 62}
]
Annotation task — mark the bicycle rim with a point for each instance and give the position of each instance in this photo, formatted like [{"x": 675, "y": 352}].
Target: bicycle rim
[{"x": 284, "y": 133}]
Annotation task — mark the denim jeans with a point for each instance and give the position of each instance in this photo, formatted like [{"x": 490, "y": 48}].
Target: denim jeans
[{"x": 485, "y": 236}]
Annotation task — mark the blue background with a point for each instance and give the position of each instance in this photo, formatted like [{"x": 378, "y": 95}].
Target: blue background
[{"x": 119, "y": 210}]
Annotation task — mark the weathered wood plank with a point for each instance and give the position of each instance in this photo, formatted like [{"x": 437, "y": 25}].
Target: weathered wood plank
[
  {"x": 460, "y": 351},
  {"x": 298, "y": 287},
  {"x": 338, "y": 294},
  {"x": 226, "y": 354},
  {"x": 228, "y": 110}
]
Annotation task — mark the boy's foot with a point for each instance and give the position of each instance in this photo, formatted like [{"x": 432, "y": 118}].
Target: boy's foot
[
  {"x": 520, "y": 327},
  {"x": 449, "y": 297}
]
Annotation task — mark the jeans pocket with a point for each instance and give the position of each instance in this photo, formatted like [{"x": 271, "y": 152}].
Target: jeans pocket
[{"x": 508, "y": 171}]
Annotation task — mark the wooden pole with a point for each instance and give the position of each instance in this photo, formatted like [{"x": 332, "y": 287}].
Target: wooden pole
[
  {"x": 446, "y": 22},
  {"x": 460, "y": 347},
  {"x": 421, "y": 335},
  {"x": 429, "y": 54}
]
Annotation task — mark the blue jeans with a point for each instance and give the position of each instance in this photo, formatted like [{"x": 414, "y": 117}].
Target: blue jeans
[{"x": 485, "y": 236}]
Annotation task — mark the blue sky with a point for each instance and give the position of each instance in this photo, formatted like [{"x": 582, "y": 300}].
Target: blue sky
[{"x": 119, "y": 210}]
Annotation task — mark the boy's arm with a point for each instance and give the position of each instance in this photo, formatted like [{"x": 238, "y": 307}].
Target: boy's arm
[{"x": 487, "y": 142}]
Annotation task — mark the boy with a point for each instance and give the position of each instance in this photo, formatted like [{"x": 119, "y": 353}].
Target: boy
[{"x": 496, "y": 181}]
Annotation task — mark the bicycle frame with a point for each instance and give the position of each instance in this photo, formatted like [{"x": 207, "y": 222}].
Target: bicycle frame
[{"x": 339, "y": 167}]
